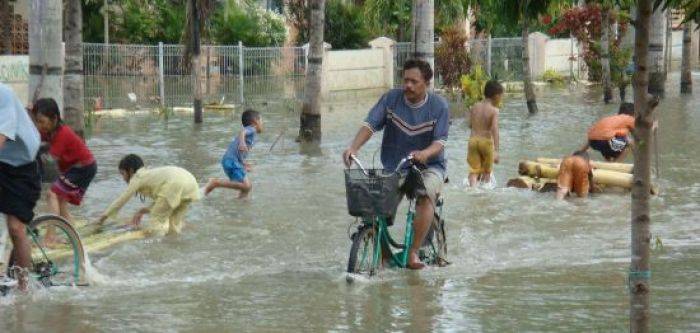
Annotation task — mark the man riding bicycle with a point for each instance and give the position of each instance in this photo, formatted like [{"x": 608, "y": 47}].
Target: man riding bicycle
[
  {"x": 414, "y": 122},
  {"x": 20, "y": 185}
]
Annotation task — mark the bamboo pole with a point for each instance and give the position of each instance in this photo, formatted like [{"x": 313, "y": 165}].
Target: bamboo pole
[
  {"x": 619, "y": 167},
  {"x": 602, "y": 177}
]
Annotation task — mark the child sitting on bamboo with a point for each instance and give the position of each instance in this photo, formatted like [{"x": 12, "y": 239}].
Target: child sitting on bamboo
[{"x": 483, "y": 141}]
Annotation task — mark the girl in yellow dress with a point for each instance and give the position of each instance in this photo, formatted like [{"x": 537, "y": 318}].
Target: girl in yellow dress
[{"x": 172, "y": 189}]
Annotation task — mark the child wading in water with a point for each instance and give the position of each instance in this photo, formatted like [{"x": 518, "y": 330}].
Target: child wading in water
[
  {"x": 233, "y": 162},
  {"x": 575, "y": 175},
  {"x": 483, "y": 143},
  {"x": 172, "y": 189},
  {"x": 76, "y": 164}
]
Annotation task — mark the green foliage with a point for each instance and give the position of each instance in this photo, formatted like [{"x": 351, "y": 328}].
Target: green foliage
[
  {"x": 391, "y": 18},
  {"x": 473, "y": 85},
  {"x": 553, "y": 77},
  {"x": 250, "y": 25},
  {"x": 345, "y": 26},
  {"x": 147, "y": 22},
  {"x": 503, "y": 18}
]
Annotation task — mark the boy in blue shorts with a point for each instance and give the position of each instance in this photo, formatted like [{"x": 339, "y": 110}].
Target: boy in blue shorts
[{"x": 233, "y": 162}]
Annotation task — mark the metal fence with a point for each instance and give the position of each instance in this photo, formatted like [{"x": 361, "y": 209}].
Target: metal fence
[
  {"x": 153, "y": 75},
  {"x": 500, "y": 57}
]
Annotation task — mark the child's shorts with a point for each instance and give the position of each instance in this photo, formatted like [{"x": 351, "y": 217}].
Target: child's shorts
[
  {"x": 234, "y": 170},
  {"x": 72, "y": 185},
  {"x": 480, "y": 155}
]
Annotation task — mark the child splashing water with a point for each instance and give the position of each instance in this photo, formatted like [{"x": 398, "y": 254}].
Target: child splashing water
[
  {"x": 172, "y": 189},
  {"x": 233, "y": 162},
  {"x": 75, "y": 161}
]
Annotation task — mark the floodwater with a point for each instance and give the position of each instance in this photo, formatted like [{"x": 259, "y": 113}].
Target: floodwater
[{"x": 520, "y": 260}]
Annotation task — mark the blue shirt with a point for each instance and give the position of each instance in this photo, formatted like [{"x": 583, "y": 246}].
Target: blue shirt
[
  {"x": 408, "y": 128},
  {"x": 23, "y": 139},
  {"x": 233, "y": 153}
]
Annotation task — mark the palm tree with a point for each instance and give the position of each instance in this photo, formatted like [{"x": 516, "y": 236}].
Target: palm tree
[
  {"x": 197, "y": 14},
  {"x": 424, "y": 31},
  {"x": 639, "y": 283},
  {"x": 686, "y": 75},
  {"x": 45, "y": 67},
  {"x": 310, "y": 122},
  {"x": 605, "y": 53},
  {"x": 73, "y": 76},
  {"x": 657, "y": 75}
]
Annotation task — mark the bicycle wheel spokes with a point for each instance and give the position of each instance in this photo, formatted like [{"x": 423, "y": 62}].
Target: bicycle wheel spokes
[
  {"x": 57, "y": 254},
  {"x": 363, "y": 252}
]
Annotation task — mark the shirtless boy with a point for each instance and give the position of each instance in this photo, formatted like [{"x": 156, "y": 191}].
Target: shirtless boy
[{"x": 483, "y": 142}]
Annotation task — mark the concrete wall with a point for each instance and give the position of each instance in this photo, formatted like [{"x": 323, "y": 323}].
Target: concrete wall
[
  {"x": 558, "y": 55},
  {"x": 365, "y": 69}
]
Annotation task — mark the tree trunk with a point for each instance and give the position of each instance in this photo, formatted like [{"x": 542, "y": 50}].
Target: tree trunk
[
  {"x": 73, "y": 75},
  {"x": 6, "y": 30},
  {"x": 527, "y": 72},
  {"x": 310, "y": 122},
  {"x": 668, "y": 43},
  {"x": 686, "y": 75},
  {"x": 424, "y": 32},
  {"x": 640, "y": 273},
  {"x": 657, "y": 75},
  {"x": 105, "y": 20},
  {"x": 46, "y": 51},
  {"x": 196, "y": 68},
  {"x": 605, "y": 54}
]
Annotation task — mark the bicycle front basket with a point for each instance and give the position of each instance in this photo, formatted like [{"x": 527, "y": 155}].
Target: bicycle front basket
[{"x": 373, "y": 195}]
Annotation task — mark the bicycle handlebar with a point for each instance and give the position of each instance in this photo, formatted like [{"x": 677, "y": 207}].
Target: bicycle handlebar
[{"x": 403, "y": 161}]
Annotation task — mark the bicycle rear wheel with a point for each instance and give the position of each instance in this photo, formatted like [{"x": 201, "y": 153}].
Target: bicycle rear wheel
[
  {"x": 59, "y": 265},
  {"x": 362, "y": 252},
  {"x": 434, "y": 249}
]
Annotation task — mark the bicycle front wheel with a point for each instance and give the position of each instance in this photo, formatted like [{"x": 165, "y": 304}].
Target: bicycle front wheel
[
  {"x": 364, "y": 258},
  {"x": 61, "y": 264}
]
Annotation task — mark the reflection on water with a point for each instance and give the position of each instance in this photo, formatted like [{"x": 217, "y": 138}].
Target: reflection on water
[{"x": 520, "y": 260}]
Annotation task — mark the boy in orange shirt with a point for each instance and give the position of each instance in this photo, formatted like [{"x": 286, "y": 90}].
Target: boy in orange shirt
[{"x": 611, "y": 135}]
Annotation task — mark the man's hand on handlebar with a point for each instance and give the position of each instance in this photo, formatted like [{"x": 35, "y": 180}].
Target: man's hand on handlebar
[
  {"x": 347, "y": 154},
  {"x": 420, "y": 156}
]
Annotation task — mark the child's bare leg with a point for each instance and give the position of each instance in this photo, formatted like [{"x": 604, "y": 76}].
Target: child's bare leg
[
  {"x": 246, "y": 186},
  {"x": 65, "y": 213},
  {"x": 55, "y": 208},
  {"x": 486, "y": 177},
  {"x": 562, "y": 192},
  {"x": 473, "y": 179}
]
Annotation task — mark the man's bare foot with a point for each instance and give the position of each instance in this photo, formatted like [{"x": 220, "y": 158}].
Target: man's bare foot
[
  {"x": 414, "y": 261},
  {"x": 211, "y": 185}
]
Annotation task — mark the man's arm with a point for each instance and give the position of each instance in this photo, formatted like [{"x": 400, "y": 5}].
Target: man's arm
[{"x": 362, "y": 136}]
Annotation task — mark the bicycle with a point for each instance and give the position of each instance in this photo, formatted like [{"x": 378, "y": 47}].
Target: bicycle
[
  {"x": 373, "y": 196},
  {"x": 63, "y": 265}
]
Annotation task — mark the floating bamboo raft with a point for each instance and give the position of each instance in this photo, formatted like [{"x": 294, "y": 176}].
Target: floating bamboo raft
[{"x": 541, "y": 175}]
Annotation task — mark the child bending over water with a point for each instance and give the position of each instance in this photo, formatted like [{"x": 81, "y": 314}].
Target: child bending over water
[
  {"x": 483, "y": 141},
  {"x": 233, "y": 162},
  {"x": 575, "y": 175},
  {"x": 75, "y": 161},
  {"x": 172, "y": 189}
]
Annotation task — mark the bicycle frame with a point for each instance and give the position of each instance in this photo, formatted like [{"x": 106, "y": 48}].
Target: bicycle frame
[{"x": 383, "y": 238}]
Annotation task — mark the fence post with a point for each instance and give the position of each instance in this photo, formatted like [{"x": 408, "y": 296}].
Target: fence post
[
  {"x": 241, "y": 72},
  {"x": 161, "y": 74},
  {"x": 488, "y": 55}
]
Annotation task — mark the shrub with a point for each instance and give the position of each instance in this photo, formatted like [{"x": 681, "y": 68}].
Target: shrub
[
  {"x": 553, "y": 77},
  {"x": 345, "y": 26},
  {"x": 252, "y": 26},
  {"x": 452, "y": 59},
  {"x": 473, "y": 85}
]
